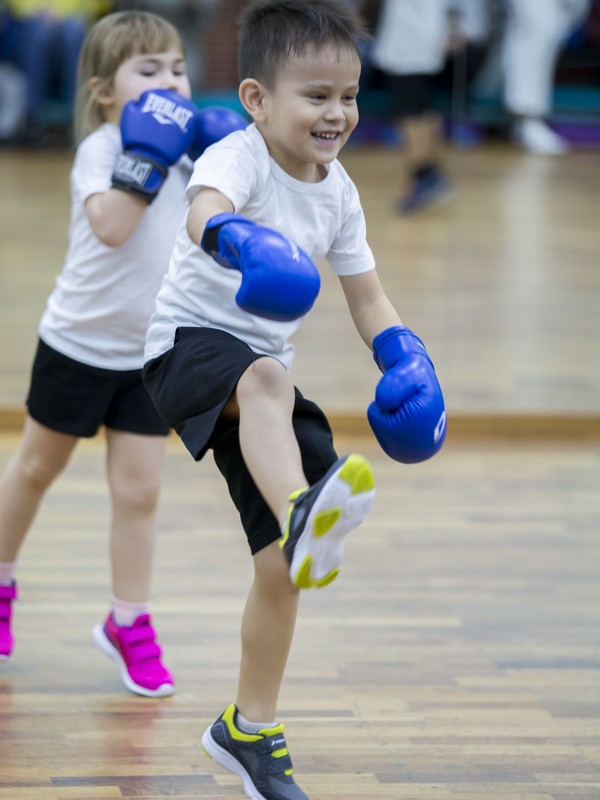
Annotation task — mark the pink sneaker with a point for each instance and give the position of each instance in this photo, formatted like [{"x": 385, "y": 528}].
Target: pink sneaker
[
  {"x": 7, "y": 641},
  {"x": 137, "y": 653}
]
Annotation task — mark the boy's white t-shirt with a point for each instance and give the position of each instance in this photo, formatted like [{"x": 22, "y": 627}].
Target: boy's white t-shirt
[
  {"x": 325, "y": 219},
  {"x": 99, "y": 310}
]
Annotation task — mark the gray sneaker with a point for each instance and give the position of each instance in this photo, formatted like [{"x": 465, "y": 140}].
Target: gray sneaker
[
  {"x": 320, "y": 517},
  {"x": 261, "y": 760}
]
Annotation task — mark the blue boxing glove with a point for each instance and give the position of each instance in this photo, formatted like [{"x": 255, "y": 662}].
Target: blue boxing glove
[
  {"x": 408, "y": 416},
  {"x": 212, "y": 125},
  {"x": 279, "y": 281},
  {"x": 156, "y": 131}
]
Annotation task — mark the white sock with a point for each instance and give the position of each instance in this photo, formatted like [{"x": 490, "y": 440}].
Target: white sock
[
  {"x": 252, "y": 727},
  {"x": 126, "y": 613},
  {"x": 7, "y": 571}
]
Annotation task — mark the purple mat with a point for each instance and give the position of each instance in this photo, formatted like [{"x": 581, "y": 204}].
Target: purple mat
[{"x": 580, "y": 134}]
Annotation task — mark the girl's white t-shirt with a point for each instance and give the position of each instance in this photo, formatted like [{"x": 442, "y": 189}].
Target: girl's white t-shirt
[
  {"x": 100, "y": 307},
  {"x": 325, "y": 219}
]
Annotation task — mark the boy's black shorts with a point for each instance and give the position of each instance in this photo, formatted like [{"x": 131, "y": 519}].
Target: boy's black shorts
[
  {"x": 190, "y": 385},
  {"x": 74, "y": 398}
]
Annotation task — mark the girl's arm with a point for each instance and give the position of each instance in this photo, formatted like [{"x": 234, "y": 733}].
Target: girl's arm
[
  {"x": 147, "y": 142},
  {"x": 370, "y": 308},
  {"x": 114, "y": 215}
]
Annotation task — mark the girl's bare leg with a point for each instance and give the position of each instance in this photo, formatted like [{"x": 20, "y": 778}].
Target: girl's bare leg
[
  {"x": 134, "y": 465},
  {"x": 41, "y": 457}
]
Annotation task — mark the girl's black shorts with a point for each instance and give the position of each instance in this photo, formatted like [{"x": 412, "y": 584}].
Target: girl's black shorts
[{"x": 74, "y": 398}]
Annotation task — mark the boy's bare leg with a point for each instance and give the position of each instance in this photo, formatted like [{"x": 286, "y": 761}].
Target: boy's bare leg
[
  {"x": 334, "y": 505},
  {"x": 267, "y": 630},
  {"x": 265, "y": 397}
]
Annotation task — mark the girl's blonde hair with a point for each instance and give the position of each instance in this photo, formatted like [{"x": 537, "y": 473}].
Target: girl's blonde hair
[{"x": 110, "y": 42}]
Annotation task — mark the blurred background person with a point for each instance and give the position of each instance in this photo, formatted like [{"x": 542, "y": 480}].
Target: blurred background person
[
  {"x": 409, "y": 49},
  {"x": 43, "y": 39},
  {"x": 13, "y": 89},
  {"x": 535, "y": 33},
  {"x": 13, "y": 86},
  {"x": 467, "y": 50}
]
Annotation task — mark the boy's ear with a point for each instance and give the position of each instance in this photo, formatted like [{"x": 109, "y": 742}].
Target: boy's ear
[{"x": 252, "y": 96}]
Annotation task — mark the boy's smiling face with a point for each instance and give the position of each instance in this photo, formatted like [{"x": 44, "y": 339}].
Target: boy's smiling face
[{"x": 310, "y": 111}]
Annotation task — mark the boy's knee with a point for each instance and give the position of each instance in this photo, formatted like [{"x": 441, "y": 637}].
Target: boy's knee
[
  {"x": 265, "y": 376},
  {"x": 272, "y": 574}
]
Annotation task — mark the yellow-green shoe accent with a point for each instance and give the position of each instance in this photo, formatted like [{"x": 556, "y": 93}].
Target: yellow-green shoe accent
[
  {"x": 235, "y": 733},
  {"x": 327, "y": 579},
  {"x": 302, "y": 579},
  {"x": 286, "y": 525},
  {"x": 325, "y": 520},
  {"x": 262, "y": 760},
  {"x": 357, "y": 472},
  {"x": 320, "y": 517}
]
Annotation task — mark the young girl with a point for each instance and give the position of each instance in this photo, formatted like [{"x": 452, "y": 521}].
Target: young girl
[{"x": 126, "y": 209}]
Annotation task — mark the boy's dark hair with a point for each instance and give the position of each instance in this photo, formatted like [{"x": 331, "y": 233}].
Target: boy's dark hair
[{"x": 273, "y": 31}]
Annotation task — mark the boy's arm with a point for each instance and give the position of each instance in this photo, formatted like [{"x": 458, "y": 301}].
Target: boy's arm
[
  {"x": 408, "y": 416},
  {"x": 279, "y": 281},
  {"x": 206, "y": 204},
  {"x": 370, "y": 308}
]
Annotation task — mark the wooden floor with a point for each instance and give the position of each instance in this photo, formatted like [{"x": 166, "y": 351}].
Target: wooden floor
[
  {"x": 503, "y": 285},
  {"x": 457, "y": 657}
]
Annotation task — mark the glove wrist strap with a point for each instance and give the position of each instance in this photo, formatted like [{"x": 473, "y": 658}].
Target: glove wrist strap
[
  {"x": 139, "y": 175},
  {"x": 225, "y": 249},
  {"x": 392, "y": 344},
  {"x": 210, "y": 237}
]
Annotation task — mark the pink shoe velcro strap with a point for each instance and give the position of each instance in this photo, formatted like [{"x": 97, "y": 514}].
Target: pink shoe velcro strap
[
  {"x": 145, "y": 651},
  {"x": 140, "y": 641},
  {"x": 7, "y": 595},
  {"x": 137, "y": 634},
  {"x": 8, "y": 592}
]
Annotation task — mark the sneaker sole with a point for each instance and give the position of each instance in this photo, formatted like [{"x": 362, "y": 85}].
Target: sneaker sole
[
  {"x": 227, "y": 761},
  {"x": 341, "y": 506},
  {"x": 166, "y": 690}
]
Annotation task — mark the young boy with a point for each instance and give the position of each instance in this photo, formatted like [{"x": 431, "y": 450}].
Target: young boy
[{"x": 264, "y": 206}]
